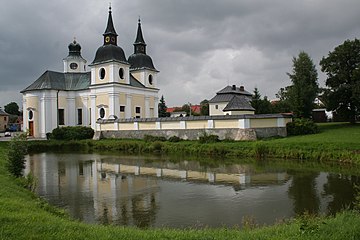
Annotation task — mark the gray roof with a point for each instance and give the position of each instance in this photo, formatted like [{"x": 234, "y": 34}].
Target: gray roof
[
  {"x": 141, "y": 61},
  {"x": 237, "y": 90},
  {"x": 61, "y": 81},
  {"x": 68, "y": 82},
  {"x": 135, "y": 83},
  {"x": 3, "y": 113},
  {"x": 228, "y": 93},
  {"x": 239, "y": 103},
  {"x": 108, "y": 53}
]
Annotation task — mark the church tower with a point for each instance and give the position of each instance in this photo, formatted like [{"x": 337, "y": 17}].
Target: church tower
[
  {"x": 142, "y": 66},
  {"x": 110, "y": 64},
  {"x": 74, "y": 62}
]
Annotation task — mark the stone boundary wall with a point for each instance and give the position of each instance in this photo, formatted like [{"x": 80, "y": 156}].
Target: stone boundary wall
[
  {"x": 240, "y": 127},
  {"x": 194, "y": 134}
]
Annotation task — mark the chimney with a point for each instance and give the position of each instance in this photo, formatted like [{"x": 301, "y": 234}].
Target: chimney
[
  {"x": 242, "y": 88},
  {"x": 233, "y": 87}
]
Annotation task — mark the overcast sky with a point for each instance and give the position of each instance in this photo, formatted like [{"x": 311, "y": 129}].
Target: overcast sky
[{"x": 199, "y": 46}]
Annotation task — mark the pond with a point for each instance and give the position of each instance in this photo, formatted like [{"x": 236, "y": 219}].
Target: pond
[{"x": 146, "y": 191}]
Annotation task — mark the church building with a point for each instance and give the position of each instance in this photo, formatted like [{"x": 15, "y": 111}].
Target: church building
[{"x": 116, "y": 87}]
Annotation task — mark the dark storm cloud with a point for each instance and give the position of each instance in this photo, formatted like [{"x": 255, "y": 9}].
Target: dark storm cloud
[{"x": 199, "y": 46}]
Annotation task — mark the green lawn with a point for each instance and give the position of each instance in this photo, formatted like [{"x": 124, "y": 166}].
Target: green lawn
[{"x": 24, "y": 216}]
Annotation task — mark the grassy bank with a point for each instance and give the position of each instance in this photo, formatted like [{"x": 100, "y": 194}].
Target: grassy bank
[
  {"x": 336, "y": 142},
  {"x": 24, "y": 216}
]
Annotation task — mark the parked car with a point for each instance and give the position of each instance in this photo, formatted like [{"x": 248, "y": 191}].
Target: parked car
[{"x": 7, "y": 134}]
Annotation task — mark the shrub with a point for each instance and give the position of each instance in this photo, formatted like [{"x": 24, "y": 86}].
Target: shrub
[
  {"x": 261, "y": 150},
  {"x": 150, "y": 138},
  {"x": 16, "y": 155},
  {"x": 72, "y": 133},
  {"x": 174, "y": 139},
  {"x": 157, "y": 146},
  {"x": 301, "y": 126},
  {"x": 205, "y": 138}
]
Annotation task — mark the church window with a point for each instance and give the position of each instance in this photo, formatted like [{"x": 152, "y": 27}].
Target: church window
[
  {"x": 79, "y": 112},
  {"x": 102, "y": 112},
  {"x": 121, "y": 73},
  {"x": 122, "y": 108},
  {"x": 150, "y": 79},
  {"x": 137, "y": 110},
  {"x": 61, "y": 116},
  {"x": 102, "y": 73},
  {"x": 31, "y": 115},
  {"x": 216, "y": 106}
]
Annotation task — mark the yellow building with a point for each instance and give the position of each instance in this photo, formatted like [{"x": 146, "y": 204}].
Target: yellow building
[
  {"x": 4, "y": 119},
  {"x": 115, "y": 87}
]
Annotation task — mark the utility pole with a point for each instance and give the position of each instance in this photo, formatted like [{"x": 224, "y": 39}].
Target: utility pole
[{"x": 190, "y": 109}]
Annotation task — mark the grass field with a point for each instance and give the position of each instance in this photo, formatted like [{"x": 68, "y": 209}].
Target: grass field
[{"x": 24, "y": 216}]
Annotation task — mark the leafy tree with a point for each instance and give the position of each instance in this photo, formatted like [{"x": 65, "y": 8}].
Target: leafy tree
[
  {"x": 12, "y": 108},
  {"x": 342, "y": 67},
  {"x": 204, "y": 107},
  {"x": 162, "y": 108},
  {"x": 303, "y": 91},
  {"x": 282, "y": 105},
  {"x": 261, "y": 106},
  {"x": 186, "y": 108}
]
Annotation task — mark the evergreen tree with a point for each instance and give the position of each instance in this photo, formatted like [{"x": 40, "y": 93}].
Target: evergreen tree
[
  {"x": 304, "y": 89},
  {"x": 162, "y": 108},
  {"x": 262, "y": 106},
  {"x": 342, "y": 67}
]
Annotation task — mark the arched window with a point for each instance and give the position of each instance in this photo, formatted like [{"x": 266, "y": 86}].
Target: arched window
[
  {"x": 121, "y": 73},
  {"x": 102, "y": 73},
  {"x": 102, "y": 112},
  {"x": 31, "y": 115},
  {"x": 150, "y": 79}
]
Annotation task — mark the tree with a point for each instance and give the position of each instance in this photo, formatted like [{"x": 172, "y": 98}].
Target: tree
[
  {"x": 204, "y": 107},
  {"x": 342, "y": 67},
  {"x": 261, "y": 106},
  {"x": 162, "y": 108},
  {"x": 303, "y": 91},
  {"x": 186, "y": 108},
  {"x": 12, "y": 108}
]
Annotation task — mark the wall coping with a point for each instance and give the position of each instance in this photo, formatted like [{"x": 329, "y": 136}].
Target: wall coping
[{"x": 194, "y": 118}]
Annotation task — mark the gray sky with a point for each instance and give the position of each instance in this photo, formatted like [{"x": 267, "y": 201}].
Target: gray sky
[{"x": 199, "y": 46}]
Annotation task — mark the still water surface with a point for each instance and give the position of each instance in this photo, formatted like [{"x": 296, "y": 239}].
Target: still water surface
[{"x": 144, "y": 191}]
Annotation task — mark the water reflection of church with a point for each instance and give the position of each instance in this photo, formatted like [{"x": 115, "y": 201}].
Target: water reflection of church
[{"x": 127, "y": 192}]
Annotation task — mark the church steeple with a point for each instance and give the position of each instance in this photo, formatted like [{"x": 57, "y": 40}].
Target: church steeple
[
  {"x": 110, "y": 35},
  {"x": 139, "y": 45}
]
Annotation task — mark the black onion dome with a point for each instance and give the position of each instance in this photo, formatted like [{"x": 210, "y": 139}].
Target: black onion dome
[
  {"x": 74, "y": 49},
  {"x": 141, "y": 61},
  {"x": 109, "y": 52}
]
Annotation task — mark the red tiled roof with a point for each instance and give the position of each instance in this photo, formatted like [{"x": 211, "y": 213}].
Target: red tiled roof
[{"x": 194, "y": 108}]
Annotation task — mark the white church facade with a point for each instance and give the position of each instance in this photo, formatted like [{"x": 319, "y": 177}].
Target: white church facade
[{"x": 116, "y": 87}]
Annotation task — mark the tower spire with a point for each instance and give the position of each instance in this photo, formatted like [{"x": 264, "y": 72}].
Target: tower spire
[
  {"x": 110, "y": 35},
  {"x": 139, "y": 45}
]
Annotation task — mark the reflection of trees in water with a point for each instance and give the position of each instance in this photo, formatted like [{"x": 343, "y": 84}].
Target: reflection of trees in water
[
  {"x": 342, "y": 190},
  {"x": 303, "y": 192}
]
